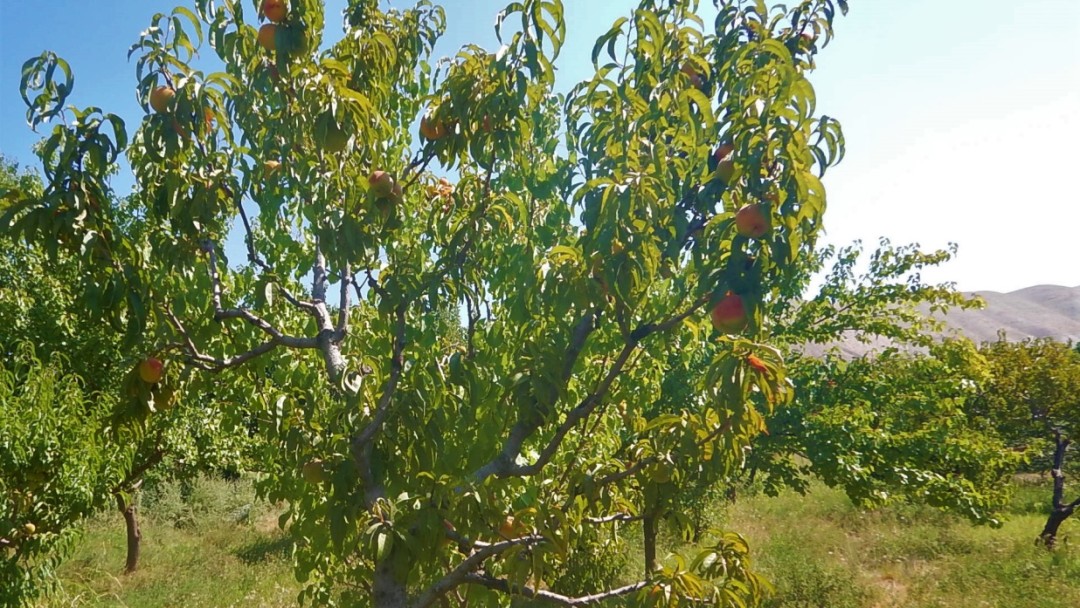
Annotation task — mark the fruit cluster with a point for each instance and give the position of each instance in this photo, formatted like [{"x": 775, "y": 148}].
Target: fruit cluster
[{"x": 751, "y": 221}]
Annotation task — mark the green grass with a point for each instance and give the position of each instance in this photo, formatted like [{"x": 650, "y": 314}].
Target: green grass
[
  {"x": 819, "y": 551},
  {"x": 211, "y": 545}
]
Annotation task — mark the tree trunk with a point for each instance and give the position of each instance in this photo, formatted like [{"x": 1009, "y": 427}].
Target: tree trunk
[
  {"x": 1050, "y": 530},
  {"x": 386, "y": 590},
  {"x": 649, "y": 524},
  {"x": 1060, "y": 511},
  {"x": 134, "y": 535}
]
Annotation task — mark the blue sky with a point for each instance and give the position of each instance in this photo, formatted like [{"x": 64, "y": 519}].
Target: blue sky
[{"x": 960, "y": 115}]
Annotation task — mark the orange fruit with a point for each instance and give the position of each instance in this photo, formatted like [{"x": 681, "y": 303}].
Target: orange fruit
[{"x": 160, "y": 98}]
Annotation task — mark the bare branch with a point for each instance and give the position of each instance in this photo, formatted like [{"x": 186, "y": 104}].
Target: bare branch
[
  {"x": 420, "y": 163},
  {"x": 617, "y": 517},
  {"x": 577, "y": 342},
  {"x": 257, "y": 261},
  {"x": 342, "y": 328},
  {"x": 257, "y": 321},
  {"x": 460, "y": 574},
  {"x": 307, "y": 307},
  {"x": 1061, "y": 445},
  {"x": 627, "y": 472},
  {"x": 216, "y": 365},
  {"x": 504, "y": 586},
  {"x": 474, "y": 317},
  {"x": 222, "y": 314},
  {"x": 319, "y": 280},
  {"x": 136, "y": 472},
  {"x": 373, "y": 283},
  {"x": 249, "y": 237},
  {"x": 179, "y": 327},
  {"x": 213, "y": 364},
  {"x": 215, "y": 281}
]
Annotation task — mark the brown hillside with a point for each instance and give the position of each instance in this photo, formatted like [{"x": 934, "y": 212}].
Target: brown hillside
[{"x": 1042, "y": 311}]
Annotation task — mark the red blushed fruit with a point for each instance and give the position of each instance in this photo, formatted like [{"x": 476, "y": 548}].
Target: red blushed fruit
[
  {"x": 150, "y": 370},
  {"x": 757, "y": 364},
  {"x": 691, "y": 72},
  {"x": 723, "y": 151},
  {"x": 268, "y": 36},
  {"x": 729, "y": 314},
  {"x": 751, "y": 221},
  {"x": 275, "y": 10},
  {"x": 381, "y": 183}
]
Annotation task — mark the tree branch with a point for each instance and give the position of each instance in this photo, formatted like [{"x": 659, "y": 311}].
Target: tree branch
[
  {"x": 397, "y": 365},
  {"x": 459, "y": 575},
  {"x": 221, "y": 313},
  {"x": 318, "y": 281},
  {"x": 505, "y": 586},
  {"x": 616, "y": 517},
  {"x": 249, "y": 237},
  {"x": 213, "y": 364},
  {"x": 342, "y": 328},
  {"x": 504, "y": 465},
  {"x": 136, "y": 472},
  {"x": 1062, "y": 444}
]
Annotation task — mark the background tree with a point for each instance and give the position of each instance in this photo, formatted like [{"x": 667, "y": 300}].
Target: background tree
[
  {"x": 52, "y": 468},
  {"x": 890, "y": 426},
  {"x": 882, "y": 299},
  {"x": 884, "y": 426},
  {"x": 583, "y": 236},
  {"x": 36, "y": 304},
  {"x": 40, "y": 306},
  {"x": 1034, "y": 403}
]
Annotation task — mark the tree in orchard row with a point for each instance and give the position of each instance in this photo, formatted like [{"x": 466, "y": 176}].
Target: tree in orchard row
[
  {"x": 51, "y": 468},
  {"x": 1034, "y": 403},
  {"x": 585, "y": 239},
  {"x": 70, "y": 387},
  {"x": 889, "y": 425}
]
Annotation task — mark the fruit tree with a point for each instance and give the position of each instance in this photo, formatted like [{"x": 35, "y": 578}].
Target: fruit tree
[
  {"x": 70, "y": 376},
  {"x": 583, "y": 237},
  {"x": 1034, "y": 403}
]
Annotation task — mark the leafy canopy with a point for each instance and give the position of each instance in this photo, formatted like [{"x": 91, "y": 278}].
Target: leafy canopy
[{"x": 582, "y": 238}]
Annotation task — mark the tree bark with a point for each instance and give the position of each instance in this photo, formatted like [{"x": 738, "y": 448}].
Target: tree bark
[
  {"x": 386, "y": 590},
  {"x": 649, "y": 524},
  {"x": 1060, "y": 511},
  {"x": 134, "y": 534},
  {"x": 1048, "y": 537}
]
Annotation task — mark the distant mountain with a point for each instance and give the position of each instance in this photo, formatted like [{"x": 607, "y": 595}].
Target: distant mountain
[{"x": 1042, "y": 311}]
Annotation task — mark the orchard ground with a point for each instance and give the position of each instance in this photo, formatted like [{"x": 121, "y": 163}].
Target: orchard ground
[{"x": 212, "y": 545}]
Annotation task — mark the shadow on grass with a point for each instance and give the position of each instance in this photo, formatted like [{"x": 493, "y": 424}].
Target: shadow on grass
[{"x": 266, "y": 550}]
